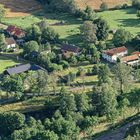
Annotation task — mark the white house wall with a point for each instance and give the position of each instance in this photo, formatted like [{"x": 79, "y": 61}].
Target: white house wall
[{"x": 113, "y": 58}]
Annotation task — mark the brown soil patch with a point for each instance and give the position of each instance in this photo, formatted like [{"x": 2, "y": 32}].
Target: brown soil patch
[
  {"x": 96, "y": 3},
  {"x": 20, "y": 7}
]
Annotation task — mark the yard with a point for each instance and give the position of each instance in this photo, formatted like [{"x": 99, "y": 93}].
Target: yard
[
  {"x": 125, "y": 18},
  {"x": 6, "y": 62}
]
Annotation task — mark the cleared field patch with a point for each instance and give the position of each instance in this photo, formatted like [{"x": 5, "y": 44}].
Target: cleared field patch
[
  {"x": 6, "y": 62},
  {"x": 19, "y": 8},
  {"x": 96, "y": 3},
  {"x": 125, "y": 18}
]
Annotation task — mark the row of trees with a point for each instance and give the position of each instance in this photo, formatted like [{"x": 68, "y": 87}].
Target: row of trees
[{"x": 42, "y": 33}]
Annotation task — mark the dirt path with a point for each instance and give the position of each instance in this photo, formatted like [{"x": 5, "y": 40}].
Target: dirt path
[{"x": 117, "y": 134}]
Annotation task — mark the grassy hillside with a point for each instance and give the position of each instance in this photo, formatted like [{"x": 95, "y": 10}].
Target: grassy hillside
[
  {"x": 6, "y": 62},
  {"x": 125, "y": 18},
  {"x": 69, "y": 31}
]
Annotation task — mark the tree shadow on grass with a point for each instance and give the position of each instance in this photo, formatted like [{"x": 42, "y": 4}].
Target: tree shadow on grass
[
  {"x": 133, "y": 97},
  {"x": 87, "y": 83},
  {"x": 129, "y": 10},
  {"x": 75, "y": 39},
  {"x": 64, "y": 17},
  {"x": 129, "y": 22}
]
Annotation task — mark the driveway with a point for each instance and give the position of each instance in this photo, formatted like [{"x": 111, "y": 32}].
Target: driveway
[{"x": 119, "y": 133}]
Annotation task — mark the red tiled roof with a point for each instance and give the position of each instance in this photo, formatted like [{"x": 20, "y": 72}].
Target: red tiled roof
[
  {"x": 11, "y": 28},
  {"x": 130, "y": 58},
  {"x": 114, "y": 51},
  {"x": 18, "y": 32},
  {"x": 15, "y": 31},
  {"x": 137, "y": 52}
]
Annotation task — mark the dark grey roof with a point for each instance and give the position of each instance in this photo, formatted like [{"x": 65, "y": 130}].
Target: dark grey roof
[
  {"x": 21, "y": 68},
  {"x": 70, "y": 48}
]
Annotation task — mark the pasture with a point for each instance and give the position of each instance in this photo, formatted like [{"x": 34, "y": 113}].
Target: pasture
[
  {"x": 69, "y": 31},
  {"x": 125, "y": 18},
  {"x": 6, "y": 62}
]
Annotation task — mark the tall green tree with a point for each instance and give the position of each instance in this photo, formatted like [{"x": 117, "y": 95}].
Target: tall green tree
[
  {"x": 48, "y": 34},
  {"x": 121, "y": 37},
  {"x": 104, "y": 6},
  {"x": 2, "y": 12},
  {"x": 88, "y": 14},
  {"x": 82, "y": 102},
  {"x": 104, "y": 74},
  {"x": 122, "y": 75},
  {"x": 88, "y": 31},
  {"x": 95, "y": 54},
  {"x": 67, "y": 104},
  {"x": 34, "y": 33},
  {"x": 2, "y": 43},
  {"x": 61, "y": 6},
  {"x": 45, "y": 135},
  {"x": 10, "y": 121},
  {"x": 107, "y": 101},
  {"x": 30, "y": 47},
  {"x": 102, "y": 29},
  {"x": 13, "y": 83}
]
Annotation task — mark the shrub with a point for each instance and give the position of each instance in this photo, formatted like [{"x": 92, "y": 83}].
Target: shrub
[
  {"x": 104, "y": 6},
  {"x": 64, "y": 63}
]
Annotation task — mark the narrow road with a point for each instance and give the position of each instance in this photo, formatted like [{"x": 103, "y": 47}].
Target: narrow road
[{"x": 117, "y": 134}]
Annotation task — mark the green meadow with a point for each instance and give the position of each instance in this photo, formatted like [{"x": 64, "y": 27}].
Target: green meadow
[
  {"x": 124, "y": 18},
  {"x": 67, "y": 32},
  {"x": 6, "y": 62}
]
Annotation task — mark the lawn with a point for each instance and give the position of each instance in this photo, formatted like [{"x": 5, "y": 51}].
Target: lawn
[
  {"x": 125, "y": 18},
  {"x": 6, "y": 62},
  {"x": 67, "y": 32}
]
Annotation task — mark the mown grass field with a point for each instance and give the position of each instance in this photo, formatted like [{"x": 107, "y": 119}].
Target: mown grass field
[
  {"x": 67, "y": 32},
  {"x": 125, "y": 18},
  {"x": 6, "y": 62}
]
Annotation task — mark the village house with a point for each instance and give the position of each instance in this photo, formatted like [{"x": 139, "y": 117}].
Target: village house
[
  {"x": 10, "y": 43},
  {"x": 68, "y": 50},
  {"x": 15, "y": 31},
  {"x": 112, "y": 55},
  {"x": 137, "y": 52},
  {"x": 130, "y": 60}
]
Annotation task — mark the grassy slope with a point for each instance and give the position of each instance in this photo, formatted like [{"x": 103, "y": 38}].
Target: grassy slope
[
  {"x": 125, "y": 18},
  {"x": 6, "y": 62},
  {"x": 67, "y": 32}
]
